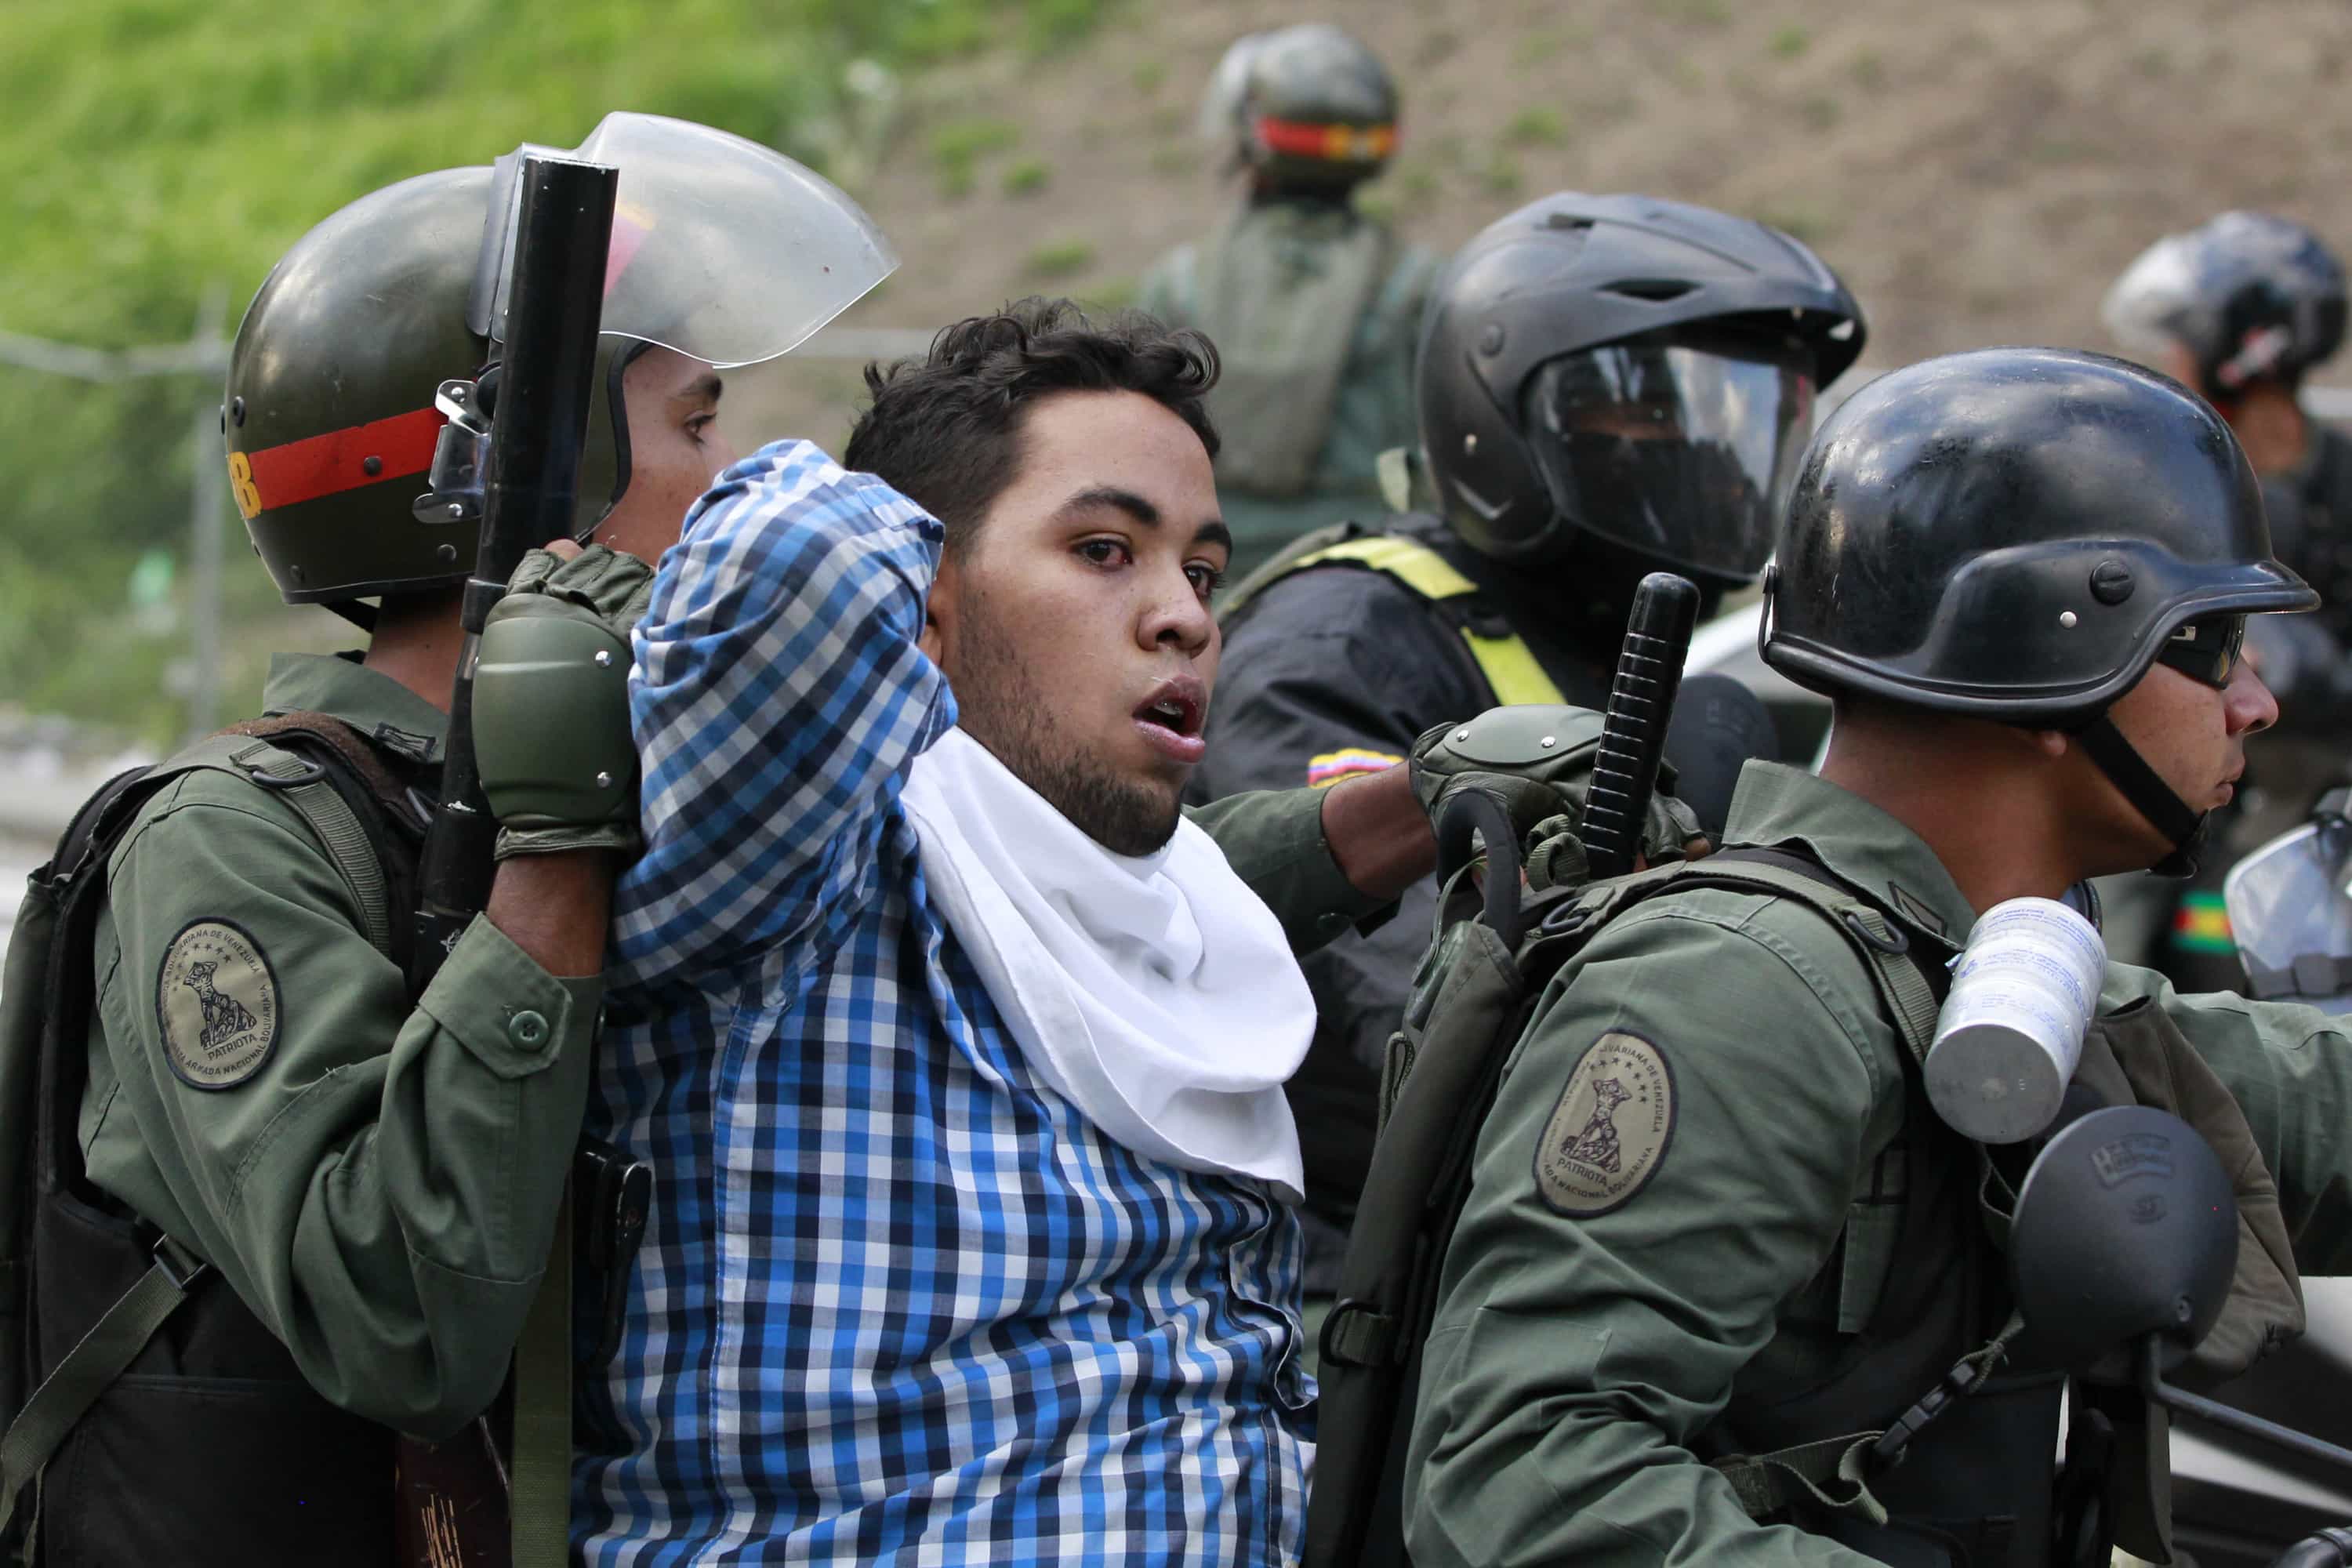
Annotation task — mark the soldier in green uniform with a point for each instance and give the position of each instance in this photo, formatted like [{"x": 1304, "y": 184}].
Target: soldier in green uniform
[
  {"x": 1314, "y": 306},
  {"x": 2243, "y": 308},
  {"x": 351, "y": 1189},
  {"x": 1712, "y": 1216}
]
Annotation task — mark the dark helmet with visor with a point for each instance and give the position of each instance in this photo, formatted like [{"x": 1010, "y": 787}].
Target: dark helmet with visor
[
  {"x": 2252, "y": 297},
  {"x": 1629, "y": 372},
  {"x": 1308, "y": 108},
  {"x": 2018, "y": 534},
  {"x": 722, "y": 249}
]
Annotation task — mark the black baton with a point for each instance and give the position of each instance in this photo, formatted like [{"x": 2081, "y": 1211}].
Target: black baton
[{"x": 1634, "y": 731}]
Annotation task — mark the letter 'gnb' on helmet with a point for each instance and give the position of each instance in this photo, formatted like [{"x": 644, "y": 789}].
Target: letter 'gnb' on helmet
[
  {"x": 1627, "y": 375},
  {"x": 2253, "y": 297}
]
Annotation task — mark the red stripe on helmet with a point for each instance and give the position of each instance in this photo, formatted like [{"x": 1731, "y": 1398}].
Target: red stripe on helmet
[
  {"x": 336, "y": 461},
  {"x": 1340, "y": 143}
]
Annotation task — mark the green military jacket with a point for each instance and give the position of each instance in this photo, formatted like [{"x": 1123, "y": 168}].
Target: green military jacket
[
  {"x": 1588, "y": 1332},
  {"x": 378, "y": 1181},
  {"x": 1315, "y": 311}
]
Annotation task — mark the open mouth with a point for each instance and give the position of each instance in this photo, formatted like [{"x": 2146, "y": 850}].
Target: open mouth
[{"x": 1174, "y": 706}]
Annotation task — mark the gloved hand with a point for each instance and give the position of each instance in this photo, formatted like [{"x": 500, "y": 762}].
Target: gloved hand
[
  {"x": 551, "y": 703},
  {"x": 1536, "y": 762}
]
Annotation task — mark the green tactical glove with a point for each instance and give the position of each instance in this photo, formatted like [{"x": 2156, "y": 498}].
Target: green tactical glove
[
  {"x": 1536, "y": 762},
  {"x": 552, "y": 704}
]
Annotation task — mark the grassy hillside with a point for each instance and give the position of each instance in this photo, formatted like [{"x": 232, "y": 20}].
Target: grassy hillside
[{"x": 154, "y": 148}]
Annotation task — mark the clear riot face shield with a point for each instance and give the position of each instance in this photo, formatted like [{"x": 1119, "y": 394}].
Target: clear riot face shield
[
  {"x": 722, "y": 249},
  {"x": 1677, "y": 446},
  {"x": 2290, "y": 905}
]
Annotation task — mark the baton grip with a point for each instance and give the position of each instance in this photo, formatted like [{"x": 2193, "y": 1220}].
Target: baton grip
[{"x": 1634, "y": 728}]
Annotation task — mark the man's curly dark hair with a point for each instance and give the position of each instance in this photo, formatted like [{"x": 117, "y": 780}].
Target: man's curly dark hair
[{"x": 945, "y": 430}]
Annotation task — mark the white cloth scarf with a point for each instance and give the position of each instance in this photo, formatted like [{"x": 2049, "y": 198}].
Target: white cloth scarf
[{"x": 1156, "y": 993}]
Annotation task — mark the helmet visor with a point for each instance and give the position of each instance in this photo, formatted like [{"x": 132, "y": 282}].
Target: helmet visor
[
  {"x": 2291, "y": 915},
  {"x": 722, "y": 249},
  {"x": 1679, "y": 452}
]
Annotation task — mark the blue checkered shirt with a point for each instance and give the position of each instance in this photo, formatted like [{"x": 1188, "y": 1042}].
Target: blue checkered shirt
[{"x": 899, "y": 1300}]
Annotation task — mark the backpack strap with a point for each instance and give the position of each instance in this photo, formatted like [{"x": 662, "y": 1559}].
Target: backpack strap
[{"x": 259, "y": 751}]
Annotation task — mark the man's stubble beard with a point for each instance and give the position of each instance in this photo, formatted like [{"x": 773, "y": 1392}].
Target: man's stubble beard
[{"x": 1001, "y": 703}]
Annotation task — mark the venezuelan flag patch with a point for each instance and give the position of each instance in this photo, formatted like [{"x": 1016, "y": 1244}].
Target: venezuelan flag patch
[
  {"x": 1332, "y": 766},
  {"x": 2201, "y": 924}
]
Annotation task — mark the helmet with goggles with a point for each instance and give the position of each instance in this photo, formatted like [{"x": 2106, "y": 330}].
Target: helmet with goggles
[
  {"x": 2019, "y": 535},
  {"x": 1627, "y": 377}
]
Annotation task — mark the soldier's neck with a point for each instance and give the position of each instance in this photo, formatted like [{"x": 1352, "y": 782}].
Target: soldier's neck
[
  {"x": 416, "y": 642},
  {"x": 1996, "y": 826},
  {"x": 2270, "y": 424}
]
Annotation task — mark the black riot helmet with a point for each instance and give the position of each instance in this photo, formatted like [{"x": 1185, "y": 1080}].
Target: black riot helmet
[
  {"x": 2252, "y": 297},
  {"x": 1630, "y": 373},
  {"x": 2017, "y": 535}
]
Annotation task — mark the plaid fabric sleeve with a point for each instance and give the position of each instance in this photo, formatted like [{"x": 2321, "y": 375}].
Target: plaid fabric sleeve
[{"x": 778, "y": 696}]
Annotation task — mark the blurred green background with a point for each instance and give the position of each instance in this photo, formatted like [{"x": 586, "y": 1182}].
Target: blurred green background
[
  {"x": 153, "y": 150},
  {"x": 1979, "y": 173}
]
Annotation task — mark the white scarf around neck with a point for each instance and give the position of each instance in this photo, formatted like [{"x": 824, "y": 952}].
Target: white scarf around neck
[{"x": 1156, "y": 993}]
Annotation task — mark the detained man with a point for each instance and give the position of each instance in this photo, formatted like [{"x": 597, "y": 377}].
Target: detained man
[{"x": 958, "y": 1049}]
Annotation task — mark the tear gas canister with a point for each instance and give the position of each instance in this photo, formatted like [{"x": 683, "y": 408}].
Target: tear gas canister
[{"x": 2010, "y": 1032}]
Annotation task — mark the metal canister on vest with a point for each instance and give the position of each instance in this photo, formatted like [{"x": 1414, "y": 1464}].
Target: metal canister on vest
[{"x": 2011, "y": 1033}]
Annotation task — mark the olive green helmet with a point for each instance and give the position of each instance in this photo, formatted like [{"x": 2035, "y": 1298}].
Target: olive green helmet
[
  {"x": 329, "y": 419},
  {"x": 722, "y": 249},
  {"x": 1308, "y": 106}
]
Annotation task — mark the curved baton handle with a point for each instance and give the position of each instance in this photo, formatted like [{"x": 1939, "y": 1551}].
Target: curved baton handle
[{"x": 1634, "y": 730}]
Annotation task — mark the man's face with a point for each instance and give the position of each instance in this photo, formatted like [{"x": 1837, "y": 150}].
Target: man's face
[
  {"x": 1074, "y": 628},
  {"x": 2193, "y": 735},
  {"x": 676, "y": 449}
]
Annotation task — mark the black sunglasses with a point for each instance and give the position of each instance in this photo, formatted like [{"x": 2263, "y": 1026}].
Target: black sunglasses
[{"x": 2207, "y": 650}]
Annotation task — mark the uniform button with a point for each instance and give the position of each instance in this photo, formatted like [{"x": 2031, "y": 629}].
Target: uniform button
[
  {"x": 528, "y": 1029},
  {"x": 1332, "y": 923}
]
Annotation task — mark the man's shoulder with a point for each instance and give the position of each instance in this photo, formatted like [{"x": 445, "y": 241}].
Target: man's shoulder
[
  {"x": 1344, "y": 596},
  {"x": 1728, "y": 963},
  {"x": 193, "y": 804}
]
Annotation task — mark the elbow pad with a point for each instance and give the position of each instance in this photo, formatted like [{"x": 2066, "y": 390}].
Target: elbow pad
[{"x": 551, "y": 715}]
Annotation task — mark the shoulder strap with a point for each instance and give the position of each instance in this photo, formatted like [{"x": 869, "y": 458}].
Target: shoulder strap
[
  {"x": 1502, "y": 656},
  {"x": 1905, "y": 989},
  {"x": 252, "y": 752}
]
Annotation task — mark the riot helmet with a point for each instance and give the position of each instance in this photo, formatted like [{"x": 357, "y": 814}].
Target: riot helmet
[
  {"x": 2017, "y": 535},
  {"x": 721, "y": 249},
  {"x": 1307, "y": 109},
  {"x": 2252, "y": 297},
  {"x": 1627, "y": 376}
]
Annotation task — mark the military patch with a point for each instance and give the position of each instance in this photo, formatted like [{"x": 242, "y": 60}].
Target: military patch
[
  {"x": 216, "y": 1004},
  {"x": 1609, "y": 1133}
]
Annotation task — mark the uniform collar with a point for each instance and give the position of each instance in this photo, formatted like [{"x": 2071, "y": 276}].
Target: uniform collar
[
  {"x": 375, "y": 705},
  {"x": 1776, "y": 805}
]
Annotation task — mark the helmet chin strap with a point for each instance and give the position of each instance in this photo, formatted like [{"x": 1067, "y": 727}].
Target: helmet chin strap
[{"x": 2145, "y": 789}]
